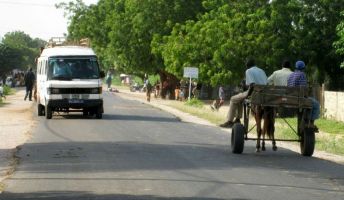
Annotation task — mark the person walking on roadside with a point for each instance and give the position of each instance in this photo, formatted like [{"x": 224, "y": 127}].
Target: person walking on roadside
[
  {"x": 298, "y": 78},
  {"x": 220, "y": 101},
  {"x": 29, "y": 79},
  {"x": 280, "y": 77},
  {"x": 109, "y": 80},
  {"x": 253, "y": 75},
  {"x": 148, "y": 87},
  {"x": 157, "y": 89}
]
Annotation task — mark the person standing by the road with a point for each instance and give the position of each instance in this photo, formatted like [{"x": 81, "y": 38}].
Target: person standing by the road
[
  {"x": 29, "y": 79},
  {"x": 109, "y": 79},
  {"x": 219, "y": 102},
  {"x": 148, "y": 87}
]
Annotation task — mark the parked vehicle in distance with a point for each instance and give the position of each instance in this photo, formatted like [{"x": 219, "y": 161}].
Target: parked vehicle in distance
[{"x": 69, "y": 80}]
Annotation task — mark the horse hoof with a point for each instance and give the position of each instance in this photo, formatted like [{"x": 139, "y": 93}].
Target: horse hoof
[
  {"x": 274, "y": 148},
  {"x": 263, "y": 148},
  {"x": 257, "y": 150}
]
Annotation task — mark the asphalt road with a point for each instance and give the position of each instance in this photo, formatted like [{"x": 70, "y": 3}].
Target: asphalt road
[{"x": 140, "y": 152}]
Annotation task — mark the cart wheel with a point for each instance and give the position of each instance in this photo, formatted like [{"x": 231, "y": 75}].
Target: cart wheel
[
  {"x": 40, "y": 109},
  {"x": 307, "y": 142},
  {"x": 237, "y": 140}
]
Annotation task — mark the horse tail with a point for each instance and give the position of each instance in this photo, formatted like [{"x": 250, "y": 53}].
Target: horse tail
[
  {"x": 269, "y": 121},
  {"x": 271, "y": 124}
]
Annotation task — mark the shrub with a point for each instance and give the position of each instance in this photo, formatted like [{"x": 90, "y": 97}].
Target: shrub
[
  {"x": 7, "y": 90},
  {"x": 195, "y": 103}
]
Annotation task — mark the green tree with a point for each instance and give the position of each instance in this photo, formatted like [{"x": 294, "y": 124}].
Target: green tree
[
  {"x": 125, "y": 30},
  {"x": 220, "y": 41},
  {"x": 9, "y": 59},
  {"x": 26, "y": 48},
  {"x": 339, "y": 44},
  {"x": 163, "y": 36},
  {"x": 315, "y": 34}
]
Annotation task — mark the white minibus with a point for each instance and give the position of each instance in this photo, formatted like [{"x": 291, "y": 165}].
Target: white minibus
[{"x": 69, "y": 80}]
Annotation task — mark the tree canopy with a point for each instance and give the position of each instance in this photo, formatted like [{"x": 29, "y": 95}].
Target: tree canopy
[
  {"x": 164, "y": 36},
  {"x": 18, "y": 51}
]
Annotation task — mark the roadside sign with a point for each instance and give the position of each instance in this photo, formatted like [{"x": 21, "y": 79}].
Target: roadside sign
[{"x": 191, "y": 72}]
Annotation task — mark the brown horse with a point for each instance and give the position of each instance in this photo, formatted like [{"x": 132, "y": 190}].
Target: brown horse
[{"x": 267, "y": 115}]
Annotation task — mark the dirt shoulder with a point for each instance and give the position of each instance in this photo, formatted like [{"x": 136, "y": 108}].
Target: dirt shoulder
[
  {"x": 16, "y": 122},
  {"x": 186, "y": 117}
]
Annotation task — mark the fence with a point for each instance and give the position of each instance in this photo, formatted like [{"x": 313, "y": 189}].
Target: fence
[
  {"x": 331, "y": 103},
  {"x": 333, "y": 106}
]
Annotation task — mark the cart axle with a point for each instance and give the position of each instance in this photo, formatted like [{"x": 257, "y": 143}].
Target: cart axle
[{"x": 281, "y": 140}]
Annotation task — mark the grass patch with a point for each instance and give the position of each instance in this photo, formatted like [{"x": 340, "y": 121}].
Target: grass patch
[
  {"x": 283, "y": 131},
  {"x": 8, "y": 90},
  {"x": 330, "y": 126},
  {"x": 197, "y": 110},
  {"x": 330, "y": 139},
  {"x": 194, "y": 103},
  {"x": 330, "y": 143}
]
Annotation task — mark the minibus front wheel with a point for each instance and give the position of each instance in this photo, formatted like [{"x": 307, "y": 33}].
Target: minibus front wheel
[{"x": 48, "y": 112}]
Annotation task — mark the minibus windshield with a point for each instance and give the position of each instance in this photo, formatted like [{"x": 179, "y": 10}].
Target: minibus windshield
[{"x": 73, "y": 68}]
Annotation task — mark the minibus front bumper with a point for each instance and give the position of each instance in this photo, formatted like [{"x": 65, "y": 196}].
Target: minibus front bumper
[{"x": 75, "y": 103}]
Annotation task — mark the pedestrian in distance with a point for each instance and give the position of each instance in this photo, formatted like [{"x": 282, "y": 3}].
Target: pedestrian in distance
[
  {"x": 148, "y": 87},
  {"x": 157, "y": 89},
  {"x": 109, "y": 80},
  {"x": 220, "y": 101},
  {"x": 29, "y": 79}
]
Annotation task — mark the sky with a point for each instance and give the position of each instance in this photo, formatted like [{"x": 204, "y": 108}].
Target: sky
[{"x": 37, "y": 18}]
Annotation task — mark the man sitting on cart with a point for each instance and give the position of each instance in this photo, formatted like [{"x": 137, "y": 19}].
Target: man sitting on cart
[
  {"x": 253, "y": 75},
  {"x": 298, "y": 78},
  {"x": 280, "y": 77}
]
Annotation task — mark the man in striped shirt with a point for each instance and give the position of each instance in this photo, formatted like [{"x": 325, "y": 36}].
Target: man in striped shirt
[{"x": 298, "y": 78}]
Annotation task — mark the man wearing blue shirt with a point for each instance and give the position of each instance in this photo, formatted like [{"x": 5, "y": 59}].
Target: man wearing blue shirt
[{"x": 253, "y": 75}]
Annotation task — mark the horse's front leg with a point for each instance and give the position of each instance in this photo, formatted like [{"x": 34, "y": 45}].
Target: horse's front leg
[
  {"x": 258, "y": 140},
  {"x": 272, "y": 133},
  {"x": 271, "y": 129},
  {"x": 263, "y": 141},
  {"x": 259, "y": 133},
  {"x": 264, "y": 133}
]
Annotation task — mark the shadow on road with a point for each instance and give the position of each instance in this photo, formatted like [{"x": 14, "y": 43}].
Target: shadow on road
[
  {"x": 61, "y": 157},
  {"x": 85, "y": 195},
  {"x": 116, "y": 117}
]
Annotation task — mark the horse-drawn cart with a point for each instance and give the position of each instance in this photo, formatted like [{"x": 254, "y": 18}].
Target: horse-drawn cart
[{"x": 276, "y": 98}]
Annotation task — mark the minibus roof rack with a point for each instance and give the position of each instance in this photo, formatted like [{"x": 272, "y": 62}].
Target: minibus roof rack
[{"x": 62, "y": 41}]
